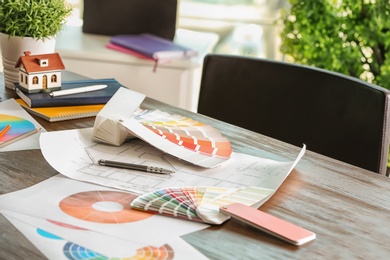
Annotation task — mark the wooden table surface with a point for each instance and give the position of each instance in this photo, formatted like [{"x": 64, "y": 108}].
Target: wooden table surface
[{"x": 347, "y": 207}]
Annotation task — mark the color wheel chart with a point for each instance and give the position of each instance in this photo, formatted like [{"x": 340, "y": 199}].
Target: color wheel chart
[
  {"x": 109, "y": 207},
  {"x": 198, "y": 203},
  {"x": 187, "y": 133},
  {"x": 74, "y": 251},
  {"x": 13, "y": 128}
]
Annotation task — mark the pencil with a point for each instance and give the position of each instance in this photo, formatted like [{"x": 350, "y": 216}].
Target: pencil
[{"x": 5, "y": 130}]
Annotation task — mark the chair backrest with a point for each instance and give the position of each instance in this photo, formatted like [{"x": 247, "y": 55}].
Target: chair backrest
[
  {"x": 109, "y": 17},
  {"x": 335, "y": 115}
]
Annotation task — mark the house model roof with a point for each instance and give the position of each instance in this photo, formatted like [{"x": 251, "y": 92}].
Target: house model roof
[{"x": 40, "y": 63}]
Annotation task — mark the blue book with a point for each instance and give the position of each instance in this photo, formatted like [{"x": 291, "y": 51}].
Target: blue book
[
  {"x": 153, "y": 46},
  {"x": 43, "y": 99}
]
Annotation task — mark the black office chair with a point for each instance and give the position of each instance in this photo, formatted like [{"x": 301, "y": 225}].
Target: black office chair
[
  {"x": 130, "y": 17},
  {"x": 335, "y": 115}
]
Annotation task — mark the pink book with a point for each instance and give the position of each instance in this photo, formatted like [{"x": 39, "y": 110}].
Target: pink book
[
  {"x": 128, "y": 51},
  {"x": 113, "y": 46}
]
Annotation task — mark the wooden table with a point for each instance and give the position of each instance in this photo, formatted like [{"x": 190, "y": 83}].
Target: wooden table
[{"x": 347, "y": 207}]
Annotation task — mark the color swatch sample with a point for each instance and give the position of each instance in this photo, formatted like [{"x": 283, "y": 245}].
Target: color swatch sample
[
  {"x": 13, "y": 128},
  {"x": 198, "y": 203}
]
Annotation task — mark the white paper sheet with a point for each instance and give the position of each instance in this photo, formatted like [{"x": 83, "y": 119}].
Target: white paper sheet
[
  {"x": 92, "y": 211},
  {"x": 11, "y": 107},
  {"x": 74, "y": 154},
  {"x": 92, "y": 245}
]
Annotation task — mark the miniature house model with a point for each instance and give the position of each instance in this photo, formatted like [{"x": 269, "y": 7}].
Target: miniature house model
[{"x": 39, "y": 72}]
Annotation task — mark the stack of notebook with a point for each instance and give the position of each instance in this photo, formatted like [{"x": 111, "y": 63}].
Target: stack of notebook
[{"x": 73, "y": 106}]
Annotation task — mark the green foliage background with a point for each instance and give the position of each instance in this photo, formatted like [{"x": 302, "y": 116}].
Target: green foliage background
[
  {"x": 347, "y": 36},
  {"x": 33, "y": 18}
]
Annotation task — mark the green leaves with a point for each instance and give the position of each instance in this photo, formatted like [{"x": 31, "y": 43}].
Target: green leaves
[
  {"x": 33, "y": 18},
  {"x": 346, "y": 36}
]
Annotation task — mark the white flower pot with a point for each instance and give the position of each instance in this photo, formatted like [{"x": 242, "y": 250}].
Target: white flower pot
[{"x": 14, "y": 47}]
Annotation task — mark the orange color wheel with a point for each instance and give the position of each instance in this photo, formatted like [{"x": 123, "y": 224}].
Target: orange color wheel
[{"x": 110, "y": 207}]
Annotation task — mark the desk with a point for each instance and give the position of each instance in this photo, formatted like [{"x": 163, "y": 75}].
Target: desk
[{"x": 347, "y": 207}]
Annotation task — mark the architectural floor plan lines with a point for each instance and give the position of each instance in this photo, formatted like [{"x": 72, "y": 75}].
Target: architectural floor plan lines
[
  {"x": 240, "y": 170},
  {"x": 139, "y": 152}
]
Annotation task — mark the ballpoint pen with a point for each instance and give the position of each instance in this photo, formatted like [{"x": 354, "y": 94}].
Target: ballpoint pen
[
  {"x": 5, "y": 130},
  {"x": 76, "y": 90},
  {"x": 137, "y": 167}
]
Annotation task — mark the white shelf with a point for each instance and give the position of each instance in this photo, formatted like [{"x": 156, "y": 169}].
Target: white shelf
[{"x": 176, "y": 83}]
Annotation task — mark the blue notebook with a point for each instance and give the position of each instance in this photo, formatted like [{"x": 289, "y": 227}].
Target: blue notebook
[
  {"x": 102, "y": 96},
  {"x": 153, "y": 46}
]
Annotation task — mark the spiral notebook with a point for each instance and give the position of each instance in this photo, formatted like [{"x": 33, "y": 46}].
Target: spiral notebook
[{"x": 55, "y": 114}]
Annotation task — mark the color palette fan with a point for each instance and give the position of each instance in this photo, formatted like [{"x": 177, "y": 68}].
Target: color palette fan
[
  {"x": 14, "y": 128},
  {"x": 187, "y": 133},
  {"x": 199, "y": 203}
]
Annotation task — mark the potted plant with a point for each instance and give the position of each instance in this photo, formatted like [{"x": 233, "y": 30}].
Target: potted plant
[{"x": 28, "y": 25}]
